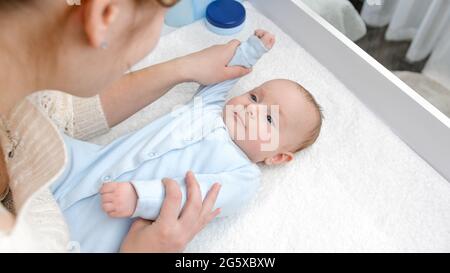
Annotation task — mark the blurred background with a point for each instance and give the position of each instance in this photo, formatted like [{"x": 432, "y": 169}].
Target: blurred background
[{"x": 409, "y": 37}]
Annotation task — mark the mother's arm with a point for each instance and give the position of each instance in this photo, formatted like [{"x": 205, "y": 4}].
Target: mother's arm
[
  {"x": 86, "y": 118},
  {"x": 136, "y": 90}
]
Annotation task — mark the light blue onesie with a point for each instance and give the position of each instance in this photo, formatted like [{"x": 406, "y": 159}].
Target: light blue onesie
[{"x": 193, "y": 137}]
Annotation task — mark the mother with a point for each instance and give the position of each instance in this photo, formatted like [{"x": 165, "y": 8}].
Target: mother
[{"x": 85, "y": 50}]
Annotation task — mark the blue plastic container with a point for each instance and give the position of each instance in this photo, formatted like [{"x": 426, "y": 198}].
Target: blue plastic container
[
  {"x": 186, "y": 12},
  {"x": 225, "y": 17}
]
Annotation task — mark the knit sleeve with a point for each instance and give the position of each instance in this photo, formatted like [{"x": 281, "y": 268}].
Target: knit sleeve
[{"x": 81, "y": 118}]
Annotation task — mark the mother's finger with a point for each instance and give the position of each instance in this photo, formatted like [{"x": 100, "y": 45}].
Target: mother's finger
[
  {"x": 210, "y": 217},
  {"x": 172, "y": 202},
  {"x": 233, "y": 45},
  {"x": 210, "y": 199},
  {"x": 232, "y": 72},
  {"x": 193, "y": 205},
  {"x": 207, "y": 215},
  {"x": 140, "y": 224}
]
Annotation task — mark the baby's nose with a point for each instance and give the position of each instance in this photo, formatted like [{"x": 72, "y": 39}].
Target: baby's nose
[{"x": 252, "y": 110}]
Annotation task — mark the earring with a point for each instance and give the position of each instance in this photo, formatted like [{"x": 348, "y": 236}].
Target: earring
[{"x": 104, "y": 45}]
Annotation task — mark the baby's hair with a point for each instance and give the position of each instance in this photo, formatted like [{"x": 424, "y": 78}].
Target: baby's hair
[{"x": 315, "y": 132}]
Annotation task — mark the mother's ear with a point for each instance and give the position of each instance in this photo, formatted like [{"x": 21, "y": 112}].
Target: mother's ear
[{"x": 98, "y": 18}]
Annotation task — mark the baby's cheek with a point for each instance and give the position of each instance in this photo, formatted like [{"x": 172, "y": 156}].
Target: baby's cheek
[
  {"x": 254, "y": 147},
  {"x": 263, "y": 131},
  {"x": 269, "y": 139},
  {"x": 265, "y": 134}
]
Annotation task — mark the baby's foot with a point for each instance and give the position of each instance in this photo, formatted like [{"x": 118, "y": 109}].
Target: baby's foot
[
  {"x": 119, "y": 200},
  {"x": 266, "y": 37}
]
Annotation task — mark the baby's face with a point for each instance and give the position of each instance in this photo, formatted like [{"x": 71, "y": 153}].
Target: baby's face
[{"x": 270, "y": 121}]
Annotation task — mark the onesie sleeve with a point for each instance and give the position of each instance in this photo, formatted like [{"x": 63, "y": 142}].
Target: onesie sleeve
[
  {"x": 247, "y": 55},
  {"x": 237, "y": 189},
  {"x": 81, "y": 118}
]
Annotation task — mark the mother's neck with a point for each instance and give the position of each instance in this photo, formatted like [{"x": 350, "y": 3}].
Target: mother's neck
[
  {"x": 15, "y": 85},
  {"x": 23, "y": 61}
]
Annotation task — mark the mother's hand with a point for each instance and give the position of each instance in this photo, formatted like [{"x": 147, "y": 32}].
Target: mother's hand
[
  {"x": 209, "y": 66},
  {"x": 172, "y": 231}
]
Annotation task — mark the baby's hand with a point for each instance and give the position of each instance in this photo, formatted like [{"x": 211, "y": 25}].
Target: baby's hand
[
  {"x": 266, "y": 37},
  {"x": 119, "y": 200}
]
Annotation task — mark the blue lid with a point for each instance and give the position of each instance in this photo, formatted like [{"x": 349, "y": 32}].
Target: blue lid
[{"x": 225, "y": 13}]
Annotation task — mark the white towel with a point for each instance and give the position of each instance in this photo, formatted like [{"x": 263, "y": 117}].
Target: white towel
[{"x": 359, "y": 188}]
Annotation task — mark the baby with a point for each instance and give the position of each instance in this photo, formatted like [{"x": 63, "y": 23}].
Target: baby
[{"x": 218, "y": 141}]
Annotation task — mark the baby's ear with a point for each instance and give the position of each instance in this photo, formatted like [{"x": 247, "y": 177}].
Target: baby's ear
[{"x": 280, "y": 158}]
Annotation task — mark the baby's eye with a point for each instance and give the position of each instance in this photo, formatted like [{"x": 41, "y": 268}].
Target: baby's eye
[
  {"x": 253, "y": 97},
  {"x": 269, "y": 119}
]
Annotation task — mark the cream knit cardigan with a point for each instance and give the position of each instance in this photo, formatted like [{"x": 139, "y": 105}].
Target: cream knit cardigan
[{"x": 38, "y": 122}]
